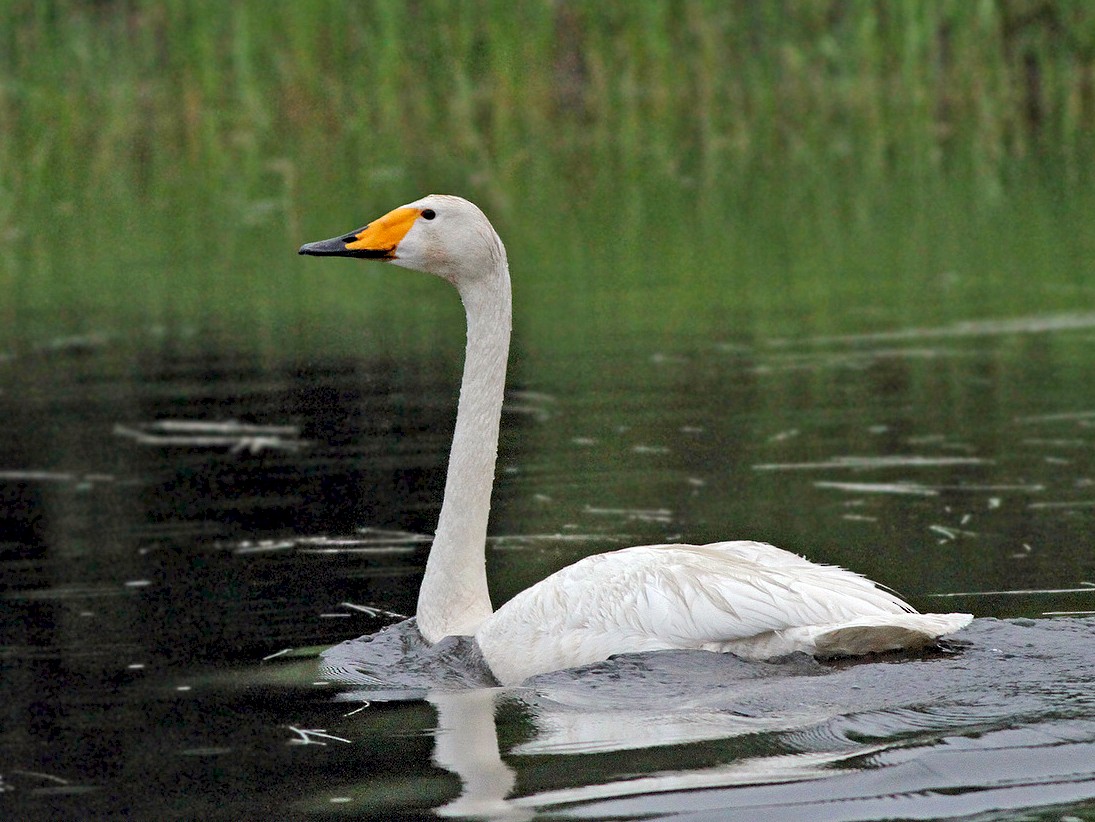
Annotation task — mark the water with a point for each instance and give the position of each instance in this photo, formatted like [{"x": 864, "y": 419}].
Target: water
[
  {"x": 830, "y": 289},
  {"x": 216, "y": 466},
  {"x": 187, "y": 526}
]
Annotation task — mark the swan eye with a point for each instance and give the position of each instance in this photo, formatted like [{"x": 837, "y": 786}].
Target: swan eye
[{"x": 429, "y": 214}]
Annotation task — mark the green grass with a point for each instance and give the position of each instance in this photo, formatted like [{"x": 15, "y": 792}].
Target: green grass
[
  {"x": 124, "y": 97},
  {"x": 156, "y": 157}
]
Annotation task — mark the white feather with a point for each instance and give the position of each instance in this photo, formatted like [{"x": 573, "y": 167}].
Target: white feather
[{"x": 750, "y": 598}]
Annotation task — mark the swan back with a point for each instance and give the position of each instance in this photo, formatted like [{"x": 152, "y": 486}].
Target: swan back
[{"x": 749, "y": 598}]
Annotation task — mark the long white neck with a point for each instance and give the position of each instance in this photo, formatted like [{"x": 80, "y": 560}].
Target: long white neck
[{"x": 453, "y": 599}]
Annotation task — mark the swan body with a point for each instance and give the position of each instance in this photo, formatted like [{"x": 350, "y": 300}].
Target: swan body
[{"x": 748, "y": 598}]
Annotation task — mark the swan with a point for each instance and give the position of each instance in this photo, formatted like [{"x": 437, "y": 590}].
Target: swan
[{"x": 748, "y": 598}]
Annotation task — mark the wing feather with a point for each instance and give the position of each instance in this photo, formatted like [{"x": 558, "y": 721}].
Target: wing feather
[{"x": 747, "y": 597}]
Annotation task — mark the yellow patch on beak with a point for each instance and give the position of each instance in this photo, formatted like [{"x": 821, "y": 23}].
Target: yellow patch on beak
[{"x": 380, "y": 237}]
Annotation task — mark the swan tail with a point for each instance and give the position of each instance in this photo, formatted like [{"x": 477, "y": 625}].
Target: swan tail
[
  {"x": 900, "y": 632},
  {"x": 866, "y": 635}
]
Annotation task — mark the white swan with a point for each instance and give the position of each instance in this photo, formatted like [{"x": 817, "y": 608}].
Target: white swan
[{"x": 746, "y": 597}]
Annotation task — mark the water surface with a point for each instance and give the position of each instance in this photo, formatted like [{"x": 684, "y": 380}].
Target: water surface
[{"x": 195, "y": 505}]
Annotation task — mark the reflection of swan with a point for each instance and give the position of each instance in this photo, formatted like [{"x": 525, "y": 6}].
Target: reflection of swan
[
  {"x": 977, "y": 729},
  {"x": 746, "y": 597},
  {"x": 466, "y": 743}
]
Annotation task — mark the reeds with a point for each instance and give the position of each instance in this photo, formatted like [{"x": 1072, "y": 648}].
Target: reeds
[
  {"x": 168, "y": 128},
  {"x": 142, "y": 93}
]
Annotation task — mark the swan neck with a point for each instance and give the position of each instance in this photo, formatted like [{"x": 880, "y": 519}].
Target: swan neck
[{"x": 454, "y": 599}]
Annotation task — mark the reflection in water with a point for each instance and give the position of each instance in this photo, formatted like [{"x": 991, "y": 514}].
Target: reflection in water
[
  {"x": 1007, "y": 713},
  {"x": 997, "y": 772},
  {"x": 1035, "y": 324},
  {"x": 197, "y": 434},
  {"x": 466, "y": 743},
  {"x": 133, "y": 561}
]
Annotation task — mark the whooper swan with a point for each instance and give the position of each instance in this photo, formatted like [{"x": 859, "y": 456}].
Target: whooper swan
[{"x": 746, "y": 597}]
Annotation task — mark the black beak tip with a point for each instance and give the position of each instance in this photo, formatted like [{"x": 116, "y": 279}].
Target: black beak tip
[{"x": 336, "y": 246}]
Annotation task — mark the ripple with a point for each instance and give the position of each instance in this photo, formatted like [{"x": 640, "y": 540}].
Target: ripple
[
  {"x": 869, "y": 463},
  {"x": 1037, "y": 324},
  {"x": 400, "y": 662}
]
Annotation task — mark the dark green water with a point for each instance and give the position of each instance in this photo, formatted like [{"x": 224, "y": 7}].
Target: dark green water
[{"x": 213, "y": 452}]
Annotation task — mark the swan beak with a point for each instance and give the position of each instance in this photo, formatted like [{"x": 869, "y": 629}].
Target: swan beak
[{"x": 376, "y": 241}]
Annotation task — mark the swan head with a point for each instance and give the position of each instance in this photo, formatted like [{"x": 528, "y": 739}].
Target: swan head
[{"x": 439, "y": 234}]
